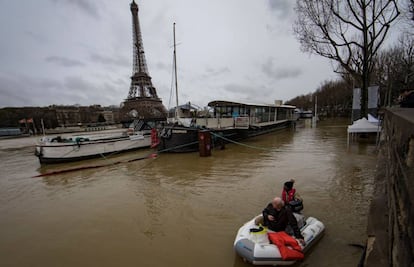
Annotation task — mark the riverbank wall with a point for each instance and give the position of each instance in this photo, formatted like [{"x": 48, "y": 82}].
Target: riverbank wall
[{"x": 391, "y": 216}]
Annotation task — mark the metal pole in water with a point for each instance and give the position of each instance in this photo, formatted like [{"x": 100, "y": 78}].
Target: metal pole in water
[{"x": 315, "y": 117}]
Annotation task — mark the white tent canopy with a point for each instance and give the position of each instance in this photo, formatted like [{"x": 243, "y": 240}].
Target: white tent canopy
[
  {"x": 363, "y": 126},
  {"x": 373, "y": 120}
]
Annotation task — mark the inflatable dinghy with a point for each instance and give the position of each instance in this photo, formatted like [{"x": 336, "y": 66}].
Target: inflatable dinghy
[{"x": 252, "y": 242}]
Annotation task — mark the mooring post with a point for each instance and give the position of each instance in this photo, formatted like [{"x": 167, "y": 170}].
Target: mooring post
[{"x": 204, "y": 143}]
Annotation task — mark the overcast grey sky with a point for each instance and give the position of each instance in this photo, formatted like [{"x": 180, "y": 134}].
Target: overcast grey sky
[{"x": 80, "y": 51}]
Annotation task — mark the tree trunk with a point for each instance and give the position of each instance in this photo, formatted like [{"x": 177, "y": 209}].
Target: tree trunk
[{"x": 365, "y": 71}]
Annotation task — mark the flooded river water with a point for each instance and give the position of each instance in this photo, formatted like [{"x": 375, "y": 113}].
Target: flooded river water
[{"x": 182, "y": 209}]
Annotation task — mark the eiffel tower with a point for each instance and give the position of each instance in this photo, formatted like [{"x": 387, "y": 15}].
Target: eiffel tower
[{"x": 142, "y": 101}]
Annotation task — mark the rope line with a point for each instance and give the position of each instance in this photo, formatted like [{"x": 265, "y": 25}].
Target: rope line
[
  {"x": 156, "y": 153},
  {"x": 148, "y": 156},
  {"x": 241, "y": 144},
  {"x": 266, "y": 148},
  {"x": 179, "y": 146},
  {"x": 151, "y": 155}
]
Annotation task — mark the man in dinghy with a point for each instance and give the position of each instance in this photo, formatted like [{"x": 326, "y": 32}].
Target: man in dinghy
[{"x": 277, "y": 217}]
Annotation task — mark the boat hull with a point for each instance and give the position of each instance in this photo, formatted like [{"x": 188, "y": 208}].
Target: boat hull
[
  {"x": 59, "y": 152},
  {"x": 178, "y": 140},
  {"x": 185, "y": 139},
  {"x": 239, "y": 134},
  {"x": 260, "y": 251}
]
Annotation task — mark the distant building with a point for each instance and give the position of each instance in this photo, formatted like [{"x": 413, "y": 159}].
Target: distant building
[
  {"x": 109, "y": 116},
  {"x": 10, "y": 132},
  {"x": 57, "y": 116},
  {"x": 68, "y": 115}
]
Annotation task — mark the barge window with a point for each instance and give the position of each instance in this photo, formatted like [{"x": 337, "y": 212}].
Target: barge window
[
  {"x": 282, "y": 114},
  {"x": 261, "y": 114},
  {"x": 225, "y": 112},
  {"x": 236, "y": 112},
  {"x": 272, "y": 115}
]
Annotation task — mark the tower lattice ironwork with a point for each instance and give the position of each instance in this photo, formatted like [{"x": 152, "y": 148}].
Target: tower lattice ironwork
[{"x": 142, "y": 101}]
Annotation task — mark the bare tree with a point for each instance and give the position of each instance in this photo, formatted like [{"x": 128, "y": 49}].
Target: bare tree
[
  {"x": 349, "y": 32},
  {"x": 412, "y": 9},
  {"x": 334, "y": 99},
  {"x": 395, "y": 68},
  {"x": 407, "y": 44}
]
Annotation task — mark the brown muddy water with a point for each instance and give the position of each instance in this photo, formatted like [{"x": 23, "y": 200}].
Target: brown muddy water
[{"x": 182, "y": 209}]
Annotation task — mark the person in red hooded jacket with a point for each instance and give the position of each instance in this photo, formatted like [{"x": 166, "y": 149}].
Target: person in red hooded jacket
[{"x": 291, "y": 197}]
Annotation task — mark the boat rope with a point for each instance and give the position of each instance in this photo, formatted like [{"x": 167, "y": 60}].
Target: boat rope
[
  {"x": 272, "y": 149},
  {"x": 151, "y": 155},
  {"x": 154, "y": 155},
  {"x": 241, "y": 144},
  {"x": 172, "y": 85},
  {"x": 179, "y": 146},
  {"x": 148, "y": 156}
]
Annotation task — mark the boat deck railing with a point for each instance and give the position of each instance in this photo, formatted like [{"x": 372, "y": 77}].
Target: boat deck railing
[
  {"x": 242, "y": 122},
  {"x": 215, "y": 123},
  {"x": 264, "y": 124}
]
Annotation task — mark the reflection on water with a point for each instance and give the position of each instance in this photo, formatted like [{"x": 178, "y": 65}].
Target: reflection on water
[{"x": 181, "y": 209}]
